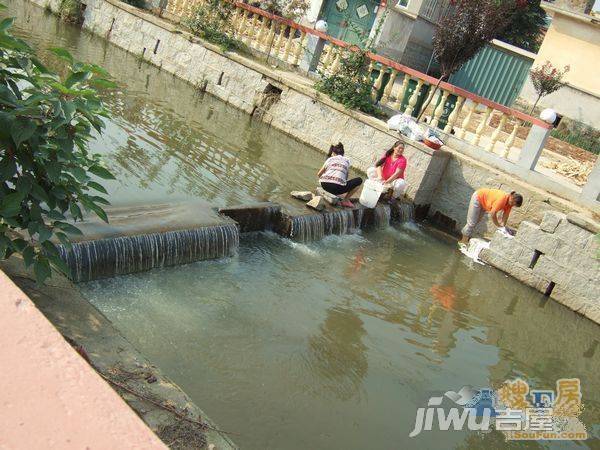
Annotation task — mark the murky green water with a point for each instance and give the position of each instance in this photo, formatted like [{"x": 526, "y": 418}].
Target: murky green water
[
  {"x": 166, "y": 141},
  {"x": 331, "y": 345}
]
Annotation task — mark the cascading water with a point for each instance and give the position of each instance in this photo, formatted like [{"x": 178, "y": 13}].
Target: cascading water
[
  {"x": 312, "y": 227},
  {"x": 359, "y": 215},
  {"x": 403, "y": 212},
  {"x": 102, "y": 258},
  {"x": 382, "y": 216},
  {"x": 110, "y": 256}
]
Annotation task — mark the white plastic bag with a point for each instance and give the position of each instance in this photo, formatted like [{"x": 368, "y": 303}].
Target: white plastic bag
[
  {"x": 399, "y": 121},
  {"x": 414, "y": 132}
]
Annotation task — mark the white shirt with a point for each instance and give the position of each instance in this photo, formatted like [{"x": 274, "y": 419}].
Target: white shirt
[{"x": 336, "y": 170}]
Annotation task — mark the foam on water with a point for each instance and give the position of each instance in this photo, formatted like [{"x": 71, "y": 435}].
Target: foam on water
[{"x": 300, "y": 247}]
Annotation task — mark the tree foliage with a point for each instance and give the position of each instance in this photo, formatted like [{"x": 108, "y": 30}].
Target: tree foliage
[
  {"x": 525, "y": 27},
  {"x": 48, "y": 178},
  {"x": 466, "y": 27},
  {"x": 290, "y": 9},
  {"x": 547, "y": 79}
]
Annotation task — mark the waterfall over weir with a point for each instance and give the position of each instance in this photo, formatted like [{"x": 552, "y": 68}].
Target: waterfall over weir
[
  {"x": 103, "y": 258},
  {"x": 382, "y": 216},
  {"x": 313, "y": 227},
  {"x": 141, "y": 238}
]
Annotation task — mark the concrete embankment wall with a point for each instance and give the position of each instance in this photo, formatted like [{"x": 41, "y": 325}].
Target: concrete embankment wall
[
  {"x": 559, "y": 257},
  {"x": 439, "y": 181},
  {"x": 463, "y": 175},
  {"x": 51, "y": 398}
]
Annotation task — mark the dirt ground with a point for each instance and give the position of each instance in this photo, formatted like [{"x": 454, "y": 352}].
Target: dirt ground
[{"x": 554, "y": 145}]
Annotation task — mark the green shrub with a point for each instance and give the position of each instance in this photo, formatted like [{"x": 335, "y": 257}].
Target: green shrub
[
  {"x": 350, "y": 85},
  {"x": 578, "y": 134},
  {"x": 212, "y": 21}
]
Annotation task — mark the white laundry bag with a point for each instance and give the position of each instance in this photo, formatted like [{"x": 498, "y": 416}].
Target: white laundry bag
[{"x": 399, "y": 121}]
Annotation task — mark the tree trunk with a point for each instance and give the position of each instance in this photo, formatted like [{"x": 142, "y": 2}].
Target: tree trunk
[
  {"x": 535, "y": 104},
  {"x": 424, "y": 107}
]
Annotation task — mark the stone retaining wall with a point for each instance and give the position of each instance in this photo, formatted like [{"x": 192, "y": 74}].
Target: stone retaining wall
[
  {"x": 559, "y": 257},
  {"x": 463, "y": 176},
  {"x": 244, "y": 83},
  {"x": 441, "y": 181}
]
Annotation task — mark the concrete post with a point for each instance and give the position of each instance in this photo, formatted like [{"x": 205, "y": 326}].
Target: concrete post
[
  {"x": 312, "y": 54},
  {"x": 591, "y": 190},
  {"x": 531, "y": 151}
]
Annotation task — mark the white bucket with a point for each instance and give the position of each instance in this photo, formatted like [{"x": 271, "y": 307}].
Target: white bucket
[{"x": 371, "y": 191}]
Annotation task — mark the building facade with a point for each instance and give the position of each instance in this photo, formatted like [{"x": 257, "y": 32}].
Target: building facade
[
  {"x": 573, "y": 40},
  {"x": 577, "y": 6},
  {"x": 400, "y": 29}
]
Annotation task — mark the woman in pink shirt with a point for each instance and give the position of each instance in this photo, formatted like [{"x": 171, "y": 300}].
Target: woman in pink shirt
[{"x": 390, "y": 169}]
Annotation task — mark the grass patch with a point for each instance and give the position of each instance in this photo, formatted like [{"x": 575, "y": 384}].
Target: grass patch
[{"x": 579, "y": 135}]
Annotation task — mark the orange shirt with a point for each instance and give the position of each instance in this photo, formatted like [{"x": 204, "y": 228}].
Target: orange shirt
[{"x": 494, "y": 200}]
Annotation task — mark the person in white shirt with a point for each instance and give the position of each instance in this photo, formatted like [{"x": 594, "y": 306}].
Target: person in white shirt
[{"x": 333, "y": 176}]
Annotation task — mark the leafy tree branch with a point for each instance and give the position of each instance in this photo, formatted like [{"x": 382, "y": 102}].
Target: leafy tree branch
[{"x": 48, "y": 178}]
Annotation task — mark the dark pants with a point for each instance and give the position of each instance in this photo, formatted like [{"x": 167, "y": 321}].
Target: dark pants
[{"x": 338, "y": 189}]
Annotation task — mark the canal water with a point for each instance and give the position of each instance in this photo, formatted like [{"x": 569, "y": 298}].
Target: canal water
[{"x": 326, "y": 345}]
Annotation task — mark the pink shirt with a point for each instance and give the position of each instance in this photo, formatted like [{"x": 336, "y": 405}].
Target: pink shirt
[{"x": 390, "y": 166}]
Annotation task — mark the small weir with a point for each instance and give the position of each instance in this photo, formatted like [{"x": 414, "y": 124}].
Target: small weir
[
  {"x": 258, "y": 217},
  {"x": 153, "y": 236},
  {"x": 140, "y": 238},
  {"x": 104, "y": 258},
  {"x": 313, "y": 227}
]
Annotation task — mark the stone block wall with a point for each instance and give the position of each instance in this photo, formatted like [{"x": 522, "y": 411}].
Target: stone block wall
[
  {"x": 559, "y": 257},
  {"x": 319, "y": 124},
  {"x": 158, "y": 42},
  {"x": 463, "y": 176}
]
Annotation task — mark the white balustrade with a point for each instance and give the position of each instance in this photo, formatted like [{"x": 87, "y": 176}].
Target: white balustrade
[{"x": 289, "y": 42}]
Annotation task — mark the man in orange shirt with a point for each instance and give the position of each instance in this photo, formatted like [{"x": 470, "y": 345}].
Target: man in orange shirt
[{"x": 492, "y": 201}]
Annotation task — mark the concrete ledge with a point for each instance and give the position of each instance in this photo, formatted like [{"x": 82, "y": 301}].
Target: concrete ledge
[
  {"x": 51, "y": 398},
  {"x": 255, "y": 217}
]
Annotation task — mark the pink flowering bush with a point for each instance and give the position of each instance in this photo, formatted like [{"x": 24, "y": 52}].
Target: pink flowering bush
[{"x": 547, "y": 79}]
